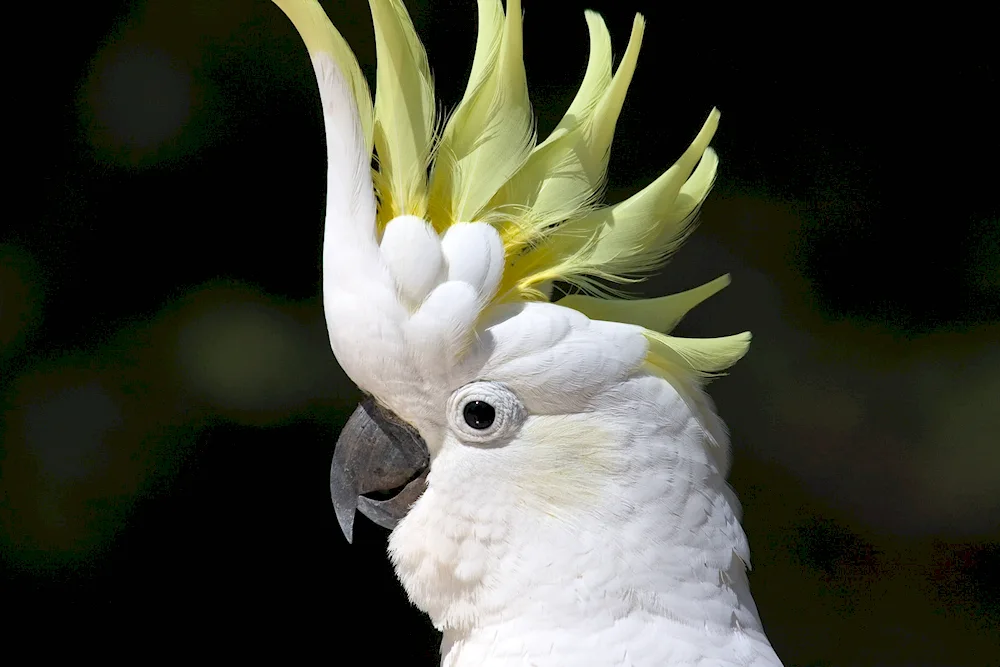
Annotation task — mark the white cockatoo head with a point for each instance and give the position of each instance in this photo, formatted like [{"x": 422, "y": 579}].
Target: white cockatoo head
[{"x": 552, "y": 464}]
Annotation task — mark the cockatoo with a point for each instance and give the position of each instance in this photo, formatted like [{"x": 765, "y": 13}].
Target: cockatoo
[{"x": 551, "y": 470}]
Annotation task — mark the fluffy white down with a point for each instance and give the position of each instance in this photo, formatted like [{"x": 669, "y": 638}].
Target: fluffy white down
[{"x": 601, "y": 533}]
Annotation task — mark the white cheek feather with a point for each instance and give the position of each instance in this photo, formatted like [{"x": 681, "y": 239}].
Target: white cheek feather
[
  {"x": 588, "y": 533},
  {"x": 562, "y": 464}
]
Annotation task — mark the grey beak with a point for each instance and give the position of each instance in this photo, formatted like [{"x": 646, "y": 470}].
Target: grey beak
[{"x": 377, "y": 455}]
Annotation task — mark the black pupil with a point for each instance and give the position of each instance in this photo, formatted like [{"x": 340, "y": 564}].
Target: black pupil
[{"x": 479, "y": 414}]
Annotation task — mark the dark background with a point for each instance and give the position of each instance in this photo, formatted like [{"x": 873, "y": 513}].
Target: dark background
[{"x": 169, "y": 401}]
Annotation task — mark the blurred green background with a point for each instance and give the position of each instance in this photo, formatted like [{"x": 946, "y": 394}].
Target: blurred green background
[{"x": 169, "y": 401}]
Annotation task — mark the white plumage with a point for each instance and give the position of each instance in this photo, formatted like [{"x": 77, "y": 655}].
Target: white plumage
[
  {"x": 589, "y": 521},
  {"x": 603, "y": 534}
]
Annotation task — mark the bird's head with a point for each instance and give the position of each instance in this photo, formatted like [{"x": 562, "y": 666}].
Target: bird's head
[{"x": 495, "y": 418}]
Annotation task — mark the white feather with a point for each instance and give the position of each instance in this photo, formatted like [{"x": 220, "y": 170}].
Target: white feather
[
  {"x": 475, "y": 256},
  {"x": 411, "y": 250},
  {"x": 603, "y": 534}
]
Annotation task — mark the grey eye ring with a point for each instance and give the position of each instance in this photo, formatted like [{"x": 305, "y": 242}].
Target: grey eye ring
[{"x": 485, "y": 413}]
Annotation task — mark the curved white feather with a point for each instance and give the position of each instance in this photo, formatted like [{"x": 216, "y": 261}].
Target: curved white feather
[
  {"x": 411, "y": 250},
  {"x": 475, "y": 256}
]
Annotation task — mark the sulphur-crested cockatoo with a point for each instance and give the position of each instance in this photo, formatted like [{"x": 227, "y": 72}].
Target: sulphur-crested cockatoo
[{"x": 559, "y": 474}]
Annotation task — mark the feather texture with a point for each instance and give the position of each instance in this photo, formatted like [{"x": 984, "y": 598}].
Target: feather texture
[
  {"x": 624, "y": 241},
  {"x": 694, "y": 357},
  {"x": 563, "y": 173},
  {"x": 562, "y": 180},
  {"x": 660, "y": 314},
  {"x": 491, "y": 132},
  {"x": 404, "y": 113},
  {"x": 486, "y": 168}
]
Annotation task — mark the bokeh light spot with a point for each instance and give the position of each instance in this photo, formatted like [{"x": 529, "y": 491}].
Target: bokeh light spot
[
  {"x": 67, "y": 432},
  {"x": 246, "y": 358},
  {"x": 20, "y": 296},
  {"x": 136, "y": 103}
]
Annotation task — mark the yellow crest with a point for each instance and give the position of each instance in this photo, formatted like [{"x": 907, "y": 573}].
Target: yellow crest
[{"x": 485, "y": 165}]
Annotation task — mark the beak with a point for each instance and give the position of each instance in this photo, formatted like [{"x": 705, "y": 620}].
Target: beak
[{"x": 379, "y": 466}]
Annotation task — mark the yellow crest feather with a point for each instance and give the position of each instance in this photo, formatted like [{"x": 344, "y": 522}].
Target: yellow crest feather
[
  {"x": 660, "y": 314},
  {"x": 491, "y": 132},
  {"x": 404, "y": 113}
]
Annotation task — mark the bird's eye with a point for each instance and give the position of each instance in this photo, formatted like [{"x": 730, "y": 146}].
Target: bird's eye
[
  {"x": 485, "y": 413},
  {"x": 479, "y": 414}
]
